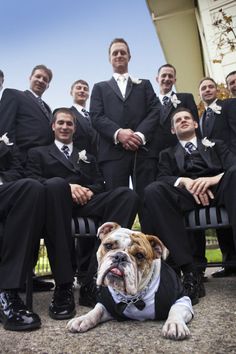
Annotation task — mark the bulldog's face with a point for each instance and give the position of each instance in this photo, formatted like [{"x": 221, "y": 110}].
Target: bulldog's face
[{"x": 125, "y": 258}]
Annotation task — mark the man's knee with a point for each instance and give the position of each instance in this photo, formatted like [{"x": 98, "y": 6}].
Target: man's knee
[
  {"x": 126, "y": 192},
  {"x": 155, "y": 188},
  {"x": 56, "y": 183}
]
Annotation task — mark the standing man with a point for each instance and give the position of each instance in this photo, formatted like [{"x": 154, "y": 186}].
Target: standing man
[
  {"x": 85, "y": 136},
  {"x": 125, "y": 112},
  {"x": 22, "y": 207},
  {"x": 1, "y": 83},
  {"x": 190, "y": 174},
  {"x": 24, "y": 115},
  {"x": 231, "y": 83},
  {"x": 73, "y": 184},
  {"x": 219, "y": 122},
  {"x": 166, "y": 79},
  {"x": 27, "y": 118}
]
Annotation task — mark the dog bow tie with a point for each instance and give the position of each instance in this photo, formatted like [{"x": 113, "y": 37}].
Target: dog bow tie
[{"x": 121, "y": 306}]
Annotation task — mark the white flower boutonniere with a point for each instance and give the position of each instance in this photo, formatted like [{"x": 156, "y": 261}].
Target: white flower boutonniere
[
  {"x": 5, "y": 139},
  {"x": 174, "y": 100},
  {"x": 207, "y": 143},
  {"x": 135, "y": 80},
  {"x": 82, "y": 157},
  {"x": 216, "y": 109}
]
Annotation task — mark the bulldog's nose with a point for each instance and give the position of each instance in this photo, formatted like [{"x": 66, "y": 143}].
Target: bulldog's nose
[{"x": 120, "y": 257}]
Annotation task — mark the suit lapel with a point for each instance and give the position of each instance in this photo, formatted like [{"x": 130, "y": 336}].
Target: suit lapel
[
  {"x": 34, "y": 99},
  {"x": 128, "y": 88},
  {"x": 113, "y": 84},
  {"x": 204, "y": 152},
  {"x": 58, "y": 155},
  {"x": 179, "y": 156}
]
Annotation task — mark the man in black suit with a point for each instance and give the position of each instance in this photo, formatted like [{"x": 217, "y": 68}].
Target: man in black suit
[
  {"x": 73, "y": 184},
  {"x": 219, "y": 122},
  {"x": 22, "y": 206},
  {"x": 1, "y": 83},
  {"x": 27, "y": 120},
  {"x": 170, "y": 100},
  {"x": 125, "y": 112},
  {"x": 24, "y": 115},
  {"x": 231, "y": 83},
  {"x": 85, "y": 137},
  {"x": 202, "y": 175}
]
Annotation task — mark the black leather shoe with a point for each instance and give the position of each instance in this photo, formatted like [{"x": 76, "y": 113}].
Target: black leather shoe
[
  {"x": 224, "y": 272},
  {"x": 88, "y": 295},
  {"x": 202, "y": 290},
  {"x": 191, "y": 286},
  {"x": 63, "y": 304},
  {"x": 14, "y": 315}
]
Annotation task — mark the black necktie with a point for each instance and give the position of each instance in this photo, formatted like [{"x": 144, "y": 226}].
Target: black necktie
[
  {"x": 190, "y": 147},
  {"x": 42, "y": 105},
  {"x": 165, "y": 100},
  {"x": 205, "y": 120},
  {"x": 85, "y": 113},
  {"x": 65, "y": 149}
]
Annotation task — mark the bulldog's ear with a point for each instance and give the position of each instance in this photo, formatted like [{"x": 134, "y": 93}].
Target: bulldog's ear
[
  {"x": 106, "y": 228},
  {"x": 159, "y": 250}
]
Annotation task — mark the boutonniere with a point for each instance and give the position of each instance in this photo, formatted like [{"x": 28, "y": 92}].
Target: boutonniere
[
  {"x": 207, "y": 143},
  {"x": 216, "y": 109},
  {"x": 82, "y": 157},
  {"x": 174, "y": 100},
  {"x": 135, "y": 80},
  {"x": 5, "y": 139}
]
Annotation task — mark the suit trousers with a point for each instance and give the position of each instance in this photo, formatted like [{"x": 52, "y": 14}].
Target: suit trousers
[
  {"x": 22, "y": 212},
  {"x": 120, "y": 206},
  {"x": 163, "y": 210}
]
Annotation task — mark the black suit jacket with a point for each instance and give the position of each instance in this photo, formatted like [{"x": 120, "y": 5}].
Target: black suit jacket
[
  {"x": 171, "y": 164},
  {"x": 24, "y": 120},
  {"x": 85, "y": 137},
  {"x": 10, "y": 167},
  {"x": 223, "y": 126},
  {"x": 163, "y": 136},
  {"x": 48, "y": 161},
  {"x": 109, "y": 111}
]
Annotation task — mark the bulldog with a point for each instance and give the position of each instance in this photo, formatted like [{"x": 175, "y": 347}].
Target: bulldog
[{"x": 135, "y": 283}]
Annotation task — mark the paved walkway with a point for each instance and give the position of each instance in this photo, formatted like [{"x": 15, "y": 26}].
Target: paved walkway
[{"x": 213, "y": 330}]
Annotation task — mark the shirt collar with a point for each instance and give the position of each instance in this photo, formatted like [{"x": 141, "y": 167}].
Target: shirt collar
[
  {"x": 79, "y": 108},
  {"x": 59, "y": 145},
  {"x": 211, "y": 105},
  {"x": 116, "y": 75},
  {"x": 193, "y": 141},
  {"x": 168, "y": 94}
]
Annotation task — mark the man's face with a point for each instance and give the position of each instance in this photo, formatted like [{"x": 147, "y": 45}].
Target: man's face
[
  {"x": 166, "y": 79},
  {"x": 183, "y": 125},
  {"x": 231, "y": 84},
  {"x": 119, "y": 58},
  {"x": 80, "y": 94},
  {"x": 208, "y": 91},
  {"x": 39, "y": 82},
  {"x": 64, "y": 128}
]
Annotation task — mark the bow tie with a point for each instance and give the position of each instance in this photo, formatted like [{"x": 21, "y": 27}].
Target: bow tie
[{"x": 121, "y": 306}]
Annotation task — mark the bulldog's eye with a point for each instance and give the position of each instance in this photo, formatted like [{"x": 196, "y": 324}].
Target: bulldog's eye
[
  {"x": 108, "y": 246},
  {"x": 140, "y": 256}
]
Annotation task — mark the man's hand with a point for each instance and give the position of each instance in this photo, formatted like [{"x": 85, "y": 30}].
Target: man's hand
[
  {"x": 200, "y": 198},
  {"x": 202, "y": 184},
  {"x": 80, "y": 195},
  {"x": 129, "y": 140}
]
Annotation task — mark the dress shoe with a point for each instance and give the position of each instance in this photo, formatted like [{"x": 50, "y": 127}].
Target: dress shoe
[
  {"x": 39, "y": 285},
  {"x": 14, "y": 315},
  {"x": 202, "y": 290},
  {"x": 224, "y": 272},
  {"x": 191, "y": 286},
  {"x": 62, "y": 305},
  {"x": 88, "y": 294}
]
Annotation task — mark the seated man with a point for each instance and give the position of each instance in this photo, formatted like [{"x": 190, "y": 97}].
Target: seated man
[
  {"x": 193, "y": 173},
  {"x": 73, "y": 184},
  {"x": 22, "y": 216}
]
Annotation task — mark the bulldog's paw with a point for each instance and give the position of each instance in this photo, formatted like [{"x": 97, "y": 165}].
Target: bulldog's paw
[
  {"x": 175, "y": 330},
  {"x": 80, "y": 324}
]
